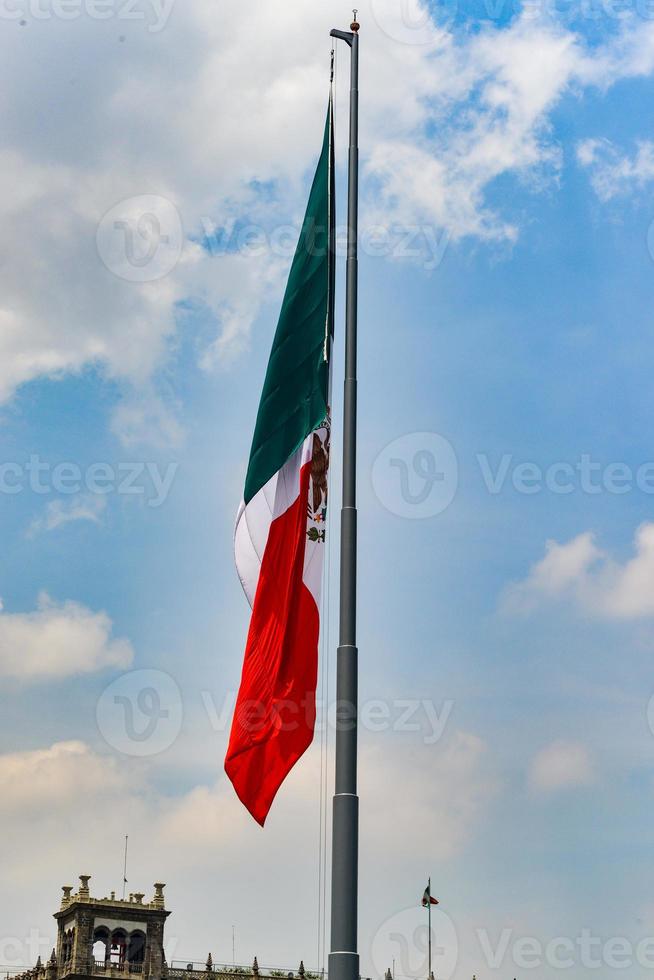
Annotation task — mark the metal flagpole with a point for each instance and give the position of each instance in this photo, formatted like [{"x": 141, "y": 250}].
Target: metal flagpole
[
  {"x": 125, "y": 867},
  {"x": 429, "y": 907},
  {"x": 344, "y": 958}
]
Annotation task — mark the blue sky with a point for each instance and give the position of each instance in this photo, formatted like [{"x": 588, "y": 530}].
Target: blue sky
[{"x": 518, "y": 144}]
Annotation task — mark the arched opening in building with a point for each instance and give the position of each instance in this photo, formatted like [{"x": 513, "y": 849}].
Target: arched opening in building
[
  {"x": 101, "y": 946},
  {"x": 69, "y": 941},
  {"x": 118, "y": 948},
  {"x": 136, "y": 949}
]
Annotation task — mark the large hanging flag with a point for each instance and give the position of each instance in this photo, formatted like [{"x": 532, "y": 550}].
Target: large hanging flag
[{"x": 281, "y": 524}]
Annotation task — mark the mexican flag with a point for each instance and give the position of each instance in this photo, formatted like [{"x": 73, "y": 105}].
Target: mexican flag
[{"x": 281, "y": 523}]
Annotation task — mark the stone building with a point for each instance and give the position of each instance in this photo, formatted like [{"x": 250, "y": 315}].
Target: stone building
[
  {"x": 120, "y": 939},
  {"x": 106, "y": 936}
]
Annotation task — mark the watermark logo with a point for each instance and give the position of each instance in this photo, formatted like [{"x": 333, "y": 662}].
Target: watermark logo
[
  {"x": 413, "y": 21},
  {"x": 424, "y": 244},
  {"x": 586, "y": 950},
  {"x": 416, "y": 716},
  {"x": 141, "y": 239},
  {"x": 404, "y": 938},
  {"x": 421, "y": 22},
  {"x": 153, "y": 13},
  {"x": 16, "y": 952},
  {"x": 562, "y": 477},
  {"x": 150, "y": 481},
  {"x": 416, "y": 476},
  {"x": 141, "y": 713}
]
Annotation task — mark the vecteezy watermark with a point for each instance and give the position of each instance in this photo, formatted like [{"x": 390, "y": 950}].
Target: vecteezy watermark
[
  {"x": 154, "y": 13},
  {"x": 565, "y": 477},
  {"x": 424, "y": 243},
  {"x": 404, "y": 939},
  {"x": 141, "y": 239},
  {"x": 419, "y": 22},
  {"x": 420, "y": 716},
  {"x": 141, "y": 713},
  {"x": 587, "y": 951},
  {"x": 413, "y": 21},
  {"x": 416, "y": 476},
  {"x": 570, "y": 10},
  {"x": 142, "y": 479},
  {"x": 16, "y": 953}
]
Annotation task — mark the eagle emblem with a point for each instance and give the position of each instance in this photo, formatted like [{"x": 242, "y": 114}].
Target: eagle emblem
[{"x": 318, "y": 491}]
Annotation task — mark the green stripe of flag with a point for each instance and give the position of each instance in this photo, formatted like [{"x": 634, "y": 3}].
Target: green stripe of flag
[{"x": 294, "y": 398}]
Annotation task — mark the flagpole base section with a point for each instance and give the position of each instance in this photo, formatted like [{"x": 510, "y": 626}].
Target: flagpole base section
[
  {"x": 343, "y": 966},
  {"x": 344, "y": 959}
]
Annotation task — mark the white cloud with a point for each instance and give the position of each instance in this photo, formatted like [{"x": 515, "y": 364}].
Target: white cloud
[
  {"x": 54, "y": 777},
  {"x": 58, "y": 641},
  {"x": 59, "y": 512},
  {"x": 561, "y": 765},
  {"x": 629, "y": 592},
  {"x": 489, "y": 99},
  {"x": 62, "y": 307},
  {"x": 612, "y": 173},
  {"x": 172, "y": 116},
  {"x": 446, "y": 786},
  {"x": 202, "y": 834},
  {"x": 486, "y": 103},
  {"x": 578, "y": 571},
  {"x": 449, "y": 787},
  {"x": 563, "y": 572},
  {"x": 143, "y": 418}
]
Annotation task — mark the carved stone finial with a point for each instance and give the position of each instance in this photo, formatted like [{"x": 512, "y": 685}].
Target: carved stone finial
[
  {"x": 39, "y": 964},
  {"x": 389, "y": 975},
  {"x": 158, "y": 900},
  {"x": 209, "y": 963},
  {"x": 255, "y": 967},
  {"x": 51, "y": 968},
  {"x": 300, "y": 972},
  {"x": 67, "y": 890},
  {"x": 84, "y": 886}
]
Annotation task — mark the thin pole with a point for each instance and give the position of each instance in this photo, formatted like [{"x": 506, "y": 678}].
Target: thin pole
[
  {"x": 429, "y": 907},
  {"x": 344, "y": 958},
  {"x": 125, "y": 867}
]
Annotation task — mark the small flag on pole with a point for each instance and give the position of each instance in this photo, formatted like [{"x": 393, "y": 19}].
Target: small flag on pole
[
  {"x": 427, "y": 898},
  {"x": 280, "y": 530}
]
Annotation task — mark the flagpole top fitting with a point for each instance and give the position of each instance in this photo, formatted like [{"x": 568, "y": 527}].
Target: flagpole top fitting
[{"x": 355, "y": 25}]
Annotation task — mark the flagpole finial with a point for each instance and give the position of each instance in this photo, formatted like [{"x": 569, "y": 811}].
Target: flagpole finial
[{"x": 355, "y": 25}]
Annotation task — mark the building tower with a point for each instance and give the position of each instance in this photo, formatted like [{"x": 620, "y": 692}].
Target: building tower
[{"x": 110, "y": 937}]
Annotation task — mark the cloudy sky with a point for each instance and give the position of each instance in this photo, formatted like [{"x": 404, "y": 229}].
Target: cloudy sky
[{"x": 154, "y": 164}]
